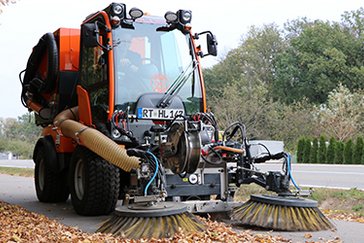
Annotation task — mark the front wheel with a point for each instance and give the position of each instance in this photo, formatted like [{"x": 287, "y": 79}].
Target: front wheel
[
  {"x": 94, "y": 183},
  {"x": 50, "y": 187}
]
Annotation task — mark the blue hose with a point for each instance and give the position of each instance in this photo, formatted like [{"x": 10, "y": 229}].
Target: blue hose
[
  {"x": 288, "y": 158},
  {"x": 155, "y": 172}
]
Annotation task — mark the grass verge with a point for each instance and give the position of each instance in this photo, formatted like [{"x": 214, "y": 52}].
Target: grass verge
[{"x": 27, "y": 172}]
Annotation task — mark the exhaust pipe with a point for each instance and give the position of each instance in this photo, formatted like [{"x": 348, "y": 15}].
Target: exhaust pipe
[{"x": 94, "y": 140}]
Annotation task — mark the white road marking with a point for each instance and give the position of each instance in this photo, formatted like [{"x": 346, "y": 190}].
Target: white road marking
[{"x": 328, "y": 172}]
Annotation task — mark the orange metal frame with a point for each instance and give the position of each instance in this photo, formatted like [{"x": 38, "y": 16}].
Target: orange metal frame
[
  {"x": 200, "y": 73},
  {"x": 110, "y": 57}
]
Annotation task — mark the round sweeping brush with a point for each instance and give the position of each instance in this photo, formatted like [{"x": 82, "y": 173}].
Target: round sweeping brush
[
  {"x": 161, "y": 220},
  {"x": 285, "y": 213}
]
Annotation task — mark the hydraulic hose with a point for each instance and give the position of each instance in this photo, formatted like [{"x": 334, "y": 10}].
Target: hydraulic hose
[
  {"x": 94, "y": 140},
  {"x": 155, "y": 172},
  {"x": 288, "y": 160}
]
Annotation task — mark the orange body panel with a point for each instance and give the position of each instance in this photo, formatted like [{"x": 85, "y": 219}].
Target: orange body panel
[
  {"x": 63, "y": 144},
  {"x": 84, "y": 109},
  {"x": 69, "y": 48}
]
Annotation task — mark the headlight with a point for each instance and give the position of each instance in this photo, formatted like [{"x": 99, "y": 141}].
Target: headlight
[
  {"x": 185, "y": 16},
  {"x": 117, "y": 9}
]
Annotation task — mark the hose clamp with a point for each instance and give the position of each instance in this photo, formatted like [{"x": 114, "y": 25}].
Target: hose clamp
[{"x": 77, "y": 134}]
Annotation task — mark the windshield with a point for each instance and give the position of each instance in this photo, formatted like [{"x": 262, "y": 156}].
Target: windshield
[{"x": 147, "y": 60}]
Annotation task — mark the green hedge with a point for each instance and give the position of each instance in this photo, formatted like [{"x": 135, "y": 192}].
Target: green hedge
[
  {"x": 339, "y": 153},
  {"x": 348, "y": 152},
  {"x": 322, "y": 152},
  {"x": 358, "y": 151},
  {"x": 330, "y": 155},
  {"x": 300, "y": 150},
  {"x": 314, "y": 150}
]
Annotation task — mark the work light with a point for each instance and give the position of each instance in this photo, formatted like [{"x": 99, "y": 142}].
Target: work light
[
  {"x": 135, "y": 13},
  {"x": 171, "y": 17}
]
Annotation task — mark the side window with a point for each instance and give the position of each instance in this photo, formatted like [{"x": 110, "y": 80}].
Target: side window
[
  {"x": 94, "y": 78},
  {"x": 94, "y": 72}
]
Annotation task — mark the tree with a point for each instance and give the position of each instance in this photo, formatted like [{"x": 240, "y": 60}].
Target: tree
[
  {"x": 348, "y": 152},
  {"x": 319, "y": 56},
  {"x": 271, "y": 81},
  {"x": 251, "y": 64},
  {"x": 314, "y": 151},
  {"x": 255, "y": 112},
  {"x": 322, "y": 150},
  {"x": 4, "y": 3},
  {"x": 300, "y": 150},
  {"x": 307, "y": 151},
  {"x": 339, "y": 152},
  {"x": 342, "y": 117},
  {"x": 292, "y": 121},
  {"x": 264, "y": 118},
  {"x": 358, "y": 150},
  {"x": 331, "y": 151},
  {"x": 19, "y": 135},
  {"x": 22, "y": 128},
  {"x": 354, "y": 22}
]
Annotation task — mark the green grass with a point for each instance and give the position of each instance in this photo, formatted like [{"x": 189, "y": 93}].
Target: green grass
[
  {"x": 244, "y": 192},
  {"x": 17, "y": 171},
  {"x": 350, "y": 201},
  {"x": 321, "y": 194}
]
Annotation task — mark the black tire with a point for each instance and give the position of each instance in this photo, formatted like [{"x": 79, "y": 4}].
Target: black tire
[
  {"x": 50, "y": 187},
  {"x": 94, "y": 183}
]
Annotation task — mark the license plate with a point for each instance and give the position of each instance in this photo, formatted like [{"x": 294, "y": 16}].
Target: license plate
[{"x": 159, "y": 114}]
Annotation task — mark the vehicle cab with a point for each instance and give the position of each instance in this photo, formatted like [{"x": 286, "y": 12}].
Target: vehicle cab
[{"x": 138, "y": 70}]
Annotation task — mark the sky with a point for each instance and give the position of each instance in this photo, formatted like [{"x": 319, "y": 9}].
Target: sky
[{"x": 23, "y": 23}]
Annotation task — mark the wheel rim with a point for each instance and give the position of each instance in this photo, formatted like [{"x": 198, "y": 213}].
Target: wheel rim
[
  {"x": 79, "y": 182},
  {"x": 41, "y": 173}
]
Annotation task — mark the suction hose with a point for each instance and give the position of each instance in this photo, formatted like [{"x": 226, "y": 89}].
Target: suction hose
[{"x": 94, "y": 140}]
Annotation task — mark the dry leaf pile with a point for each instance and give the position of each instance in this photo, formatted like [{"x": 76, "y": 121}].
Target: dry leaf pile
[
  {"x": 340, "y": 215},
  {"x": 19, "y": 225}
]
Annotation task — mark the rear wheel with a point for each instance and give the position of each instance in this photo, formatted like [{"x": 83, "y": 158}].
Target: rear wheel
[
  {"x": 50, "y": 186},
  {"x": 94, "y": 183}
]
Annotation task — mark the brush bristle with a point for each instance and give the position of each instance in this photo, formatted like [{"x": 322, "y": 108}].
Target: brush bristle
[
  {"x": 277, "y": 217},
  {"x": 151, "y": 227}
]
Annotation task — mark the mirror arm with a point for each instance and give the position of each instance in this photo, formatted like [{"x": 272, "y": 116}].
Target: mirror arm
[
  {"x": 197, "y": 35},
  {"x": 97, "y": 33}
]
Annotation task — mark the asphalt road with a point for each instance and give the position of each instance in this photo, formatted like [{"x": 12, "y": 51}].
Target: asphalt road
[
  {"x": 310, "y": 175},
  {"x": 319, "y": 175},
  {"x": 21, "y": 191},
  {"x": 17, "y": 163}
]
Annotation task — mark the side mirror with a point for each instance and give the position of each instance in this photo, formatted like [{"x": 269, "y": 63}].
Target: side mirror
[
  {"x": 89, "y": 35},
  {"x": 211, "y": 44}
]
